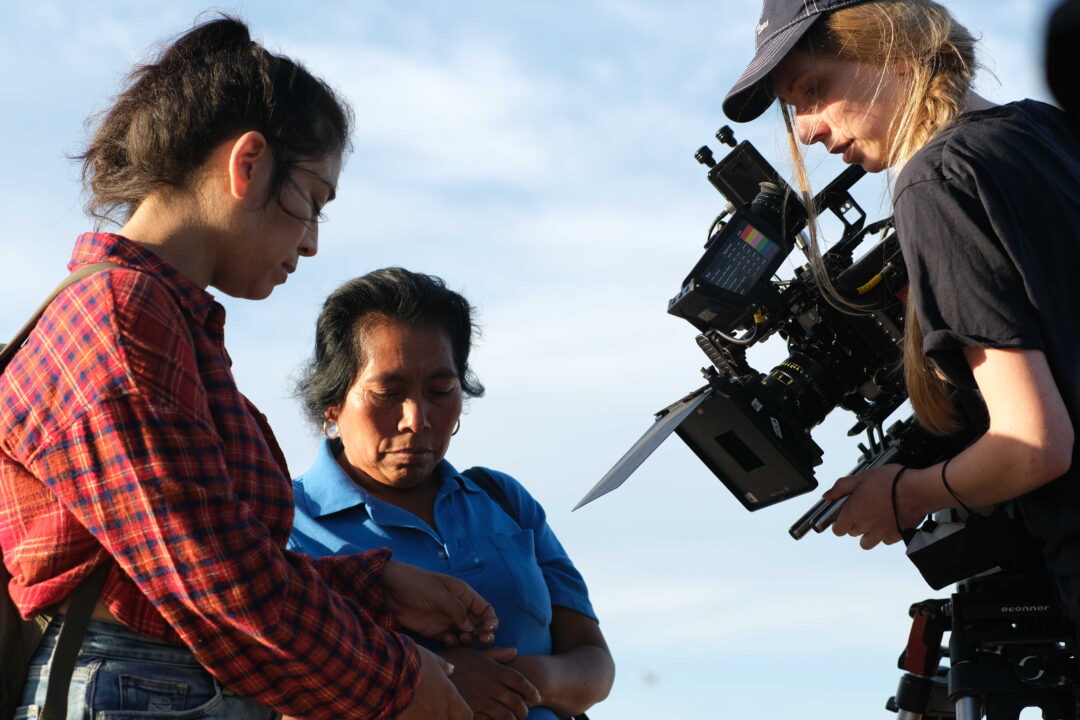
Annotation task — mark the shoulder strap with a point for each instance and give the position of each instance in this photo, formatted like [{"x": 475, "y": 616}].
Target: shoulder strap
[
  {"x": 491, "y": 486},
  {"x": 72, "y": 632},
  {"x": 8, "y": 351}
]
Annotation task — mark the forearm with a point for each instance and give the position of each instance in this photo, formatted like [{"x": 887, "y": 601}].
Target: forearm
[
  {"x": 992, "y": 470},
  {"x": 1028, "y": 444},
  {"x": 569, "y": 682}
]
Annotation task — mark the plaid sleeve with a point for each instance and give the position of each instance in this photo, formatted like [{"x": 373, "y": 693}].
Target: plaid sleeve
[
  {"x": 142, "y": 466},
  {"x": 358, "y": 581}
]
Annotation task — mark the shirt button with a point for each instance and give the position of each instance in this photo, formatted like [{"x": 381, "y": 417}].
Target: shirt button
[{"x": 442, "y": 554}]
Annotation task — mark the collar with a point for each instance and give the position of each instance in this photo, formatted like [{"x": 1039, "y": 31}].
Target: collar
[
  {"x": 328, "y": 489},
  {"x": 110, "y": 247}
]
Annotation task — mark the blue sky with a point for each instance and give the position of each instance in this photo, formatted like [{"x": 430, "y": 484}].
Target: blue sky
[{"x": 538, "y": 156}]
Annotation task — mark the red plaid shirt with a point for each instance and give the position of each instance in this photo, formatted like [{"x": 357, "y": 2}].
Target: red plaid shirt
[{"x": 124, "y": 436}]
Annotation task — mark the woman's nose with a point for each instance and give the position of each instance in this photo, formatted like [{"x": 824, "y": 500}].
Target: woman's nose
[
  {"x": 309, "y": 245},
  {"x": 810, "y": 128},
  {"x": 413, "y": 415}
]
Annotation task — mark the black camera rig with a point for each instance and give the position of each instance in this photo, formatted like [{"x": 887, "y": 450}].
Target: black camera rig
[
  {"x": 1011, "y": 646},
  {"x": 844, "y": 341}
]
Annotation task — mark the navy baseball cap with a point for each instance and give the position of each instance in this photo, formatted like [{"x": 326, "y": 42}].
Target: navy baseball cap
[{"x": 782, "y": 24}]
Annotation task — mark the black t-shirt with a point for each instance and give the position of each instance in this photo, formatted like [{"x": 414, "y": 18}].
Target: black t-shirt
[{"x": 988, "y": 216}]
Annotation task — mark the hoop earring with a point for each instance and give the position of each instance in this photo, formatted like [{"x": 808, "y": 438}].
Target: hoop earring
[
  {"x": 330, "y": 429},
  {"x": 456, "y": 428}
]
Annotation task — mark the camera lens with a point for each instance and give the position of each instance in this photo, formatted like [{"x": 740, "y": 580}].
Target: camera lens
[{"x": 806, "y": 387}]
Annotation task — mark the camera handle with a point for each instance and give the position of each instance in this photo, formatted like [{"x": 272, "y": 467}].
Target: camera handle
[{"x": 821, "y": 516}]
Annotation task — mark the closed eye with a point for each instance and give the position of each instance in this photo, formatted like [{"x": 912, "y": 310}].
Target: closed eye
[{"x": 384, "y": 395}]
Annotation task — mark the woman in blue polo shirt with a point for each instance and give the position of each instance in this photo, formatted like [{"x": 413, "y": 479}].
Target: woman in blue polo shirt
[{"x": 386, "y": 383}]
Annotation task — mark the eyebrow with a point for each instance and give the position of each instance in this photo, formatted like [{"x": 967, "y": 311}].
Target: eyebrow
[{"x": 443, "y": 372}]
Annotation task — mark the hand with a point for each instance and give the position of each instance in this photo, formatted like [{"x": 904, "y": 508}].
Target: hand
[
  {"x": 869, "y": 511},
  {"x": 437, "y": 606},
  {"x": 436, "y": 697},
  {"x": 492, "y": 689}
]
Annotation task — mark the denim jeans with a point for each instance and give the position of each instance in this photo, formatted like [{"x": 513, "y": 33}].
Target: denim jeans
[{"x": 122, "y": 675}]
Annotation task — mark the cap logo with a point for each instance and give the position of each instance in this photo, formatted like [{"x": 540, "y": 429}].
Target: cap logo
[{"x": 762, "y": 25}]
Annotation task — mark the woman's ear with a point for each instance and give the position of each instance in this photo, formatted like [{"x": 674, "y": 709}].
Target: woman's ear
[
  {"x": 250, "y": 166},
  {"x": 331, "y": 413}
]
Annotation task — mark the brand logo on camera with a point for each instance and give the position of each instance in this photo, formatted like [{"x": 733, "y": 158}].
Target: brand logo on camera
[{"x": 1024, "y": 608}]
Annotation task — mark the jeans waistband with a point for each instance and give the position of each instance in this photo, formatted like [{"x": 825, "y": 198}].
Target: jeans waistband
[{"x": 111, "y": 639}]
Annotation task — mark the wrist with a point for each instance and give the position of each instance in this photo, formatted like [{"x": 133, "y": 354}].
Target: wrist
[
  {"x": 536, "y": 670},
  {"x": 920, "y": 493}
]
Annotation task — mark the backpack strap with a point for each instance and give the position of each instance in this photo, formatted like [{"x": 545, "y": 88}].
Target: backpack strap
[
  {"x": 68, "y": 644},
  {"x": 8, "y": 351},
  {"x": 491, "y": 486},
  {"x": 85, "y": 595}
]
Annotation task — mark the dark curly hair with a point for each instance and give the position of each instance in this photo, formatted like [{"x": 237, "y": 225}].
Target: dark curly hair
[
  {"x": 212, "y": 83},
  {"x": 389, "y": 294}
]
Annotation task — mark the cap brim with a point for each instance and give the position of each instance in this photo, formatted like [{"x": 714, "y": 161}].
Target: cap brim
[{"x": 752, "y": 93}]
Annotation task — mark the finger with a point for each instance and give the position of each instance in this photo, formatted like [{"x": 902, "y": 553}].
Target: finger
[
  {"x": 460, "y": 639},
  {"x": 522, "y": 689},
  {"x": 500, "y": 654},
  {"x": 843, "y": 486},
  {"x": 471, "y": 613},
  {"x": 484, "y": 616},
  {"x": 477, "y": 612},
  {"x": 869, "y": 542},
  {"x": 445, "y": 665},
  {"x": 514, "y": 705},
  {"x": 456, "y": 604},
  {"x": 459, "y": 709},
  {"x": 843, "y": 525}
]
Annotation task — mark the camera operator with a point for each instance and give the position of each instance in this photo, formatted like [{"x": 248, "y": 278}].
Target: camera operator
[{"x": 988, "y": 216}]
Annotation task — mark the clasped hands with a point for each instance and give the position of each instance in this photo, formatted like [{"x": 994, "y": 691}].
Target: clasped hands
[{"x": 490, "y": 681}]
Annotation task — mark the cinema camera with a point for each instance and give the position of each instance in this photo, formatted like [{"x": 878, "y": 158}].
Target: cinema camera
[
  {"x": 752, "y": 429},
  {"x": 1010, "y": 645}
]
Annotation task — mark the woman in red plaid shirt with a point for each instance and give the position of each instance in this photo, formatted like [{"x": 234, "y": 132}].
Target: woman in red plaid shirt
[{"x": 127, "y": 443}]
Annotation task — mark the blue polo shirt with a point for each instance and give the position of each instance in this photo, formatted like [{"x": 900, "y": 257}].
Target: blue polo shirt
[{"x": 522, "y": 570}]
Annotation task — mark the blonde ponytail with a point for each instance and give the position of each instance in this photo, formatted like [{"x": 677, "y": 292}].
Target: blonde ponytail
[{"x": 927, "y": 390}]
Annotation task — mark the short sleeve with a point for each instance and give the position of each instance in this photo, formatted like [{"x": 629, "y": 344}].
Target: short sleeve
[
  {"x": 967, "y": 290},
  {"x": 564, "y": 582}
]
